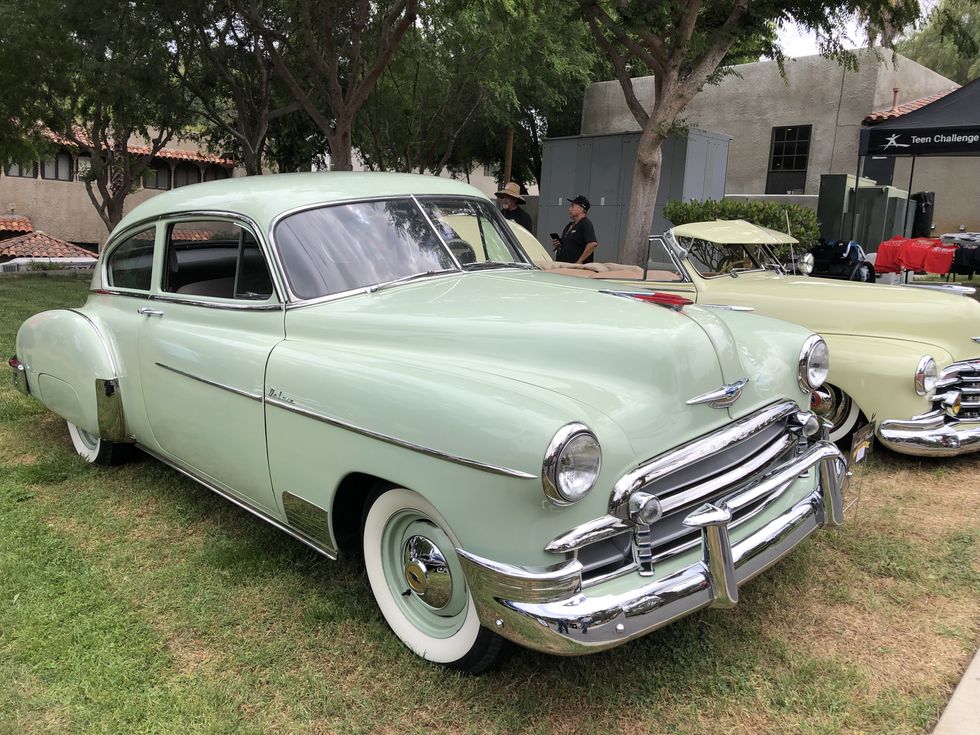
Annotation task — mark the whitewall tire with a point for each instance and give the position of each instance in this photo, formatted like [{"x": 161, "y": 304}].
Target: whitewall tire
[
  {"x": 418, "y": 583},
  {"x": 95, "y": 450}
]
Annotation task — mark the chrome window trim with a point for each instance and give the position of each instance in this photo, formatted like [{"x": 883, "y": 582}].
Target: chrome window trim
[
  {"x": 186, "y": 215},
  {"x": 317, "y": 416},
  {"x": 685, "y": 276},
  {"x": 365, "y": 290},
  {"x": 238, "y": 219},
  {"x": 328, "y": 552},
  {"x": 213, "y": 383},
  {"x": 110, "y": 246},
  {"x": 230, "y": 305},
  {"x": 118, "y": 292},
  {"x": 699, "y": 448}
]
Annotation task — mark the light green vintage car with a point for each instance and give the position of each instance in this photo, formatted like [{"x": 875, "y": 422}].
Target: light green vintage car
[
  {"x": 371, "y": 363},
  {"x": 907, "y": 355}
]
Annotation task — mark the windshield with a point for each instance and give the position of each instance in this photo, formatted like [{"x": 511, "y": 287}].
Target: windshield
[
  {"x": 345, "y": 247},
  {"x": 714, "y": 259}
]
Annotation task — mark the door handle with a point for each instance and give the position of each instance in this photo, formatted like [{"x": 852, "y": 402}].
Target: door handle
[{"x": 147, "y": 311}]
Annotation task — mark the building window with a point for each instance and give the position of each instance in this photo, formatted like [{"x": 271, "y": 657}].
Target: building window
[
  {"x": 215, "y": 173},
  {"x": 58, "y": 168},
  {"x": 789, "y": 153},
  {"x": 186, "y": 173},
  {"x": 83, "y": 164},
  {"x": 24, "y": 171},
  {"x": 157, "y": 176}
]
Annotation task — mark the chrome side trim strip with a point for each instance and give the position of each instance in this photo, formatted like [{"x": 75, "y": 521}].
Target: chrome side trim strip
[
  {"x": 728, "y": 307},
  {"x": 216, "y": 304},
  {"x": 328, "y": 552},
  {"x": 695, "y": 450},
  {"x": 588, "y": 533},
  {"x": 317, "y": 416},
  {"x": 215, "y": 384}
]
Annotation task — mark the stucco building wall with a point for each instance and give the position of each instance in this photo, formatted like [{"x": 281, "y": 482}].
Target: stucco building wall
[{"x": 818, "y": 92}]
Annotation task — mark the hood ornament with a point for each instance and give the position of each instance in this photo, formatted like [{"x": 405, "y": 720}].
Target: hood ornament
[{"x": 722, "y": 397}]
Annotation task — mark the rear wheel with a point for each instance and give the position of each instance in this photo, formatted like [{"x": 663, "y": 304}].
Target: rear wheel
[
  {"x": 418, "y": 583},
  {"x": 95, "y": 450},
  {"x": 837, "y": 407}
]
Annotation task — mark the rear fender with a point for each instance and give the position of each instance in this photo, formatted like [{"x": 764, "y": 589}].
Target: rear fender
[{"x": 70, "y": 368}]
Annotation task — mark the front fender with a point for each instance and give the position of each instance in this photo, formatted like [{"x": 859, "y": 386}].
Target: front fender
[
  {"x": 70, "y": 368},
  {"x": 879, "y": 373}
]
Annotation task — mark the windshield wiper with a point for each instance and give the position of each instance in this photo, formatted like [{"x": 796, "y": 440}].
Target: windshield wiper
[
  {"x": 496, "y": 264},
  {"x": 404, "y": 279}
]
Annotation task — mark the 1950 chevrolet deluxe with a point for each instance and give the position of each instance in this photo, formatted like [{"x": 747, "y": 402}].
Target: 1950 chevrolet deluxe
[{"x": 517, "y": 455}]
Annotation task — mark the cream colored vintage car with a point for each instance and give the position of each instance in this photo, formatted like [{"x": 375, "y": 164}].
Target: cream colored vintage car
[{"x": 905, "y": 355}]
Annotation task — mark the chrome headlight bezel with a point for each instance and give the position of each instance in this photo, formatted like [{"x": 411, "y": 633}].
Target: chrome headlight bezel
[
  {"x": 551, "y": 469},
  {"x": 926, "y": 376},
  {"x": 809, "y": 370}
]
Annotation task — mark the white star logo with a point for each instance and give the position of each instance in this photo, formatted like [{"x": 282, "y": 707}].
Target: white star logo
[{"x": 892, "y": 142}]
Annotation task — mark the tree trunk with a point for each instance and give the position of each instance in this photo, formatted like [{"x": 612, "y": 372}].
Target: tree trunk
[
  {"x": 340, "y": 145},
  {"x": 643, "y": 196}
]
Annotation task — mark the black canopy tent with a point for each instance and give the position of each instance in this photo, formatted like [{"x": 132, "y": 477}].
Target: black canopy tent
[{"x": 950, "y": 126}]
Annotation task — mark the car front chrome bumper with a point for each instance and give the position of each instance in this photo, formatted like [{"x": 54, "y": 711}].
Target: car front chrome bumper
[
  {"x": 548, "y": 610},
  {"x": 931, "y": 435}
]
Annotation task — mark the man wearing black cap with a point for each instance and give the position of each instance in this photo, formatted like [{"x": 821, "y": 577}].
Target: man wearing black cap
[{"x": 577, "y": 241}]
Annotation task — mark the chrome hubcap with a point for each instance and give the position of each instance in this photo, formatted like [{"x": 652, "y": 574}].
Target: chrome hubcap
[{"x": 427, "y": 573}]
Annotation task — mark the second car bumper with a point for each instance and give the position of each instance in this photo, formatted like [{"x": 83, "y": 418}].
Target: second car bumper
[
  {"x": 931, "y": 435},
  {"x": 548, "y": 610}
]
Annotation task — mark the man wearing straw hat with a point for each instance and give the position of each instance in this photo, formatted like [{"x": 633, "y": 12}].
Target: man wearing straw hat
[{"x": 510, "y": 197}]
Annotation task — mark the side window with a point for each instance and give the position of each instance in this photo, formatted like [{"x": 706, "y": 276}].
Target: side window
[
  {"x": 130, "y": 265},
  {"x": 215, "y": 258},
  {"x": 660, "y": 266}
]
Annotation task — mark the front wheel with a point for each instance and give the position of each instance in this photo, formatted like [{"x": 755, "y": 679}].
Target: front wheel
[
  {"x": 95, "y": 450},
  {"x": 418, "y": 583}
]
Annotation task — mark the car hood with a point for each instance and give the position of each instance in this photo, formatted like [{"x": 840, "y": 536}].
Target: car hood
[
  {"x": 638, "y": 363},
  {"x": 858, "y": 309}
]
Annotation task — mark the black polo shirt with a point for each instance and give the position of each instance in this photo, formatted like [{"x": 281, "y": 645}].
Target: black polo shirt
[
  {"x": 574, "y": 238},
  {"x": 519, "y": 216}
]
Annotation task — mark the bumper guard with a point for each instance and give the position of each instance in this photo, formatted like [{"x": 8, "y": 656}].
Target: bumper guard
[{"x": 929, "y": 435}]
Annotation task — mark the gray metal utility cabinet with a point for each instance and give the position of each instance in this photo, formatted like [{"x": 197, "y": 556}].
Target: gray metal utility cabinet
[{"x": 695, "y": 165}]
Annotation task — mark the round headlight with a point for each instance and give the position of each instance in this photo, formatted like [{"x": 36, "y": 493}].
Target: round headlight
[
  {"x": 571, "y": 464},
  {"x": 926, "y": 376},
  {"x": 806, "y": 264},
  {"x": 814, "y": 364}
]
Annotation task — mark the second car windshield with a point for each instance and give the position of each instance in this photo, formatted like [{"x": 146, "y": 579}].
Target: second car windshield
[{"x": 715, "y": 259}]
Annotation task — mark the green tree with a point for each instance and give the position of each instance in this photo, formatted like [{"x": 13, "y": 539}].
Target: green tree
[
  {"x": 96, "y": 75},
  {"x": 686, "y": 44},
  {"x": 330, "y": 54},
  {"x": 227, "y": 70},
  {"x": 948, "y": 41}
]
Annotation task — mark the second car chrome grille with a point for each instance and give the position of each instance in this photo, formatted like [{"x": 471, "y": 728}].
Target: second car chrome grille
[
  {"x": 962, "y": 378},
  {"x": 712, "y": 477}
]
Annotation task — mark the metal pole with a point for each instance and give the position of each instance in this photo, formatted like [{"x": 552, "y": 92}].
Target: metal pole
[
  {"x": 908, "y": 200},
  {"x": 857, "y": 181}
]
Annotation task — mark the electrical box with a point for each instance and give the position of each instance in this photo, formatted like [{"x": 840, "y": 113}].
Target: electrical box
[{"x": 694, "y": 165}]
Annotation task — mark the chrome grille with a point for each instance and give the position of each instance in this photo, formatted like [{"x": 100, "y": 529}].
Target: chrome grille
[
  {"x": 962, "y": 377},
  {"x": 710, "y": 477}
]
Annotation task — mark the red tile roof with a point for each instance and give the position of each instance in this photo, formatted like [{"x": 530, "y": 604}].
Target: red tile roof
[
  {"x": 893, "y": 112},
  {"x": 39, "y": 245},
  {"x": 15, "y": 223},
  {"x": 168, "y": 153}
]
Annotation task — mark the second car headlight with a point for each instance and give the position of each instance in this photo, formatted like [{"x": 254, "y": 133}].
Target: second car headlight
[
  {"x": 926, "y": 376},
  {"x": 571, "y": 464},
  {"x": 814, "y": 364}
]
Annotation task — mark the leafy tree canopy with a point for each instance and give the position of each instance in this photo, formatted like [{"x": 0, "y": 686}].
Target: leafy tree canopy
[{"x": 948, "y": 41}]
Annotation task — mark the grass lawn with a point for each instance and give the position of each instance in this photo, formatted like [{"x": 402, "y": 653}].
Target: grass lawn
[{"x": 134, "y": 601}]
